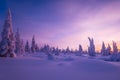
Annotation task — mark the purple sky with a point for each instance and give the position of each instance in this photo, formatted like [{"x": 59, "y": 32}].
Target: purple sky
[{"x": 65, "y": 23}]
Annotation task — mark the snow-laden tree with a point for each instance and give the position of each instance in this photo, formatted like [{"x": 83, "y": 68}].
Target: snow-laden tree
[
  {"x": 33, "y": 46},
  {"x": 53, "y": 49},
  {"x": 7, "y": 45},
  {"x": 27, "y": 47},
  {"x": 37, "y": 48},
  {"x": 67, "y": 50},
  {"x": 103, "y": 49},
  {"x": 91, "y": 48},
  {"x": 80, "y": 49},
  {"x": 63, "y": 51},
  {"x": 57, "y": 51},
  {"x": 22, "y": 47},
  {"x": 108, "y": 50},
  {"x": 115, "y": 56},
  {"x": 115, "y": 49},
  {"x": 48, "y": 51},
  {"x": 19, "y": 46}
]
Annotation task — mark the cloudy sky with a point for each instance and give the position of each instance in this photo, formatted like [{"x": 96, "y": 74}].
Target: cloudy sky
[{"x": 65, "y": 23}]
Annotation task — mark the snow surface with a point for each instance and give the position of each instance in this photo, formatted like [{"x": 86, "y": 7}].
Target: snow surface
[{"x": 63, "y": 67}]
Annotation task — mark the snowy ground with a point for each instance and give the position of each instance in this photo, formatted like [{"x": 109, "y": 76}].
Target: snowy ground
[{"x": 38, "y": 67}]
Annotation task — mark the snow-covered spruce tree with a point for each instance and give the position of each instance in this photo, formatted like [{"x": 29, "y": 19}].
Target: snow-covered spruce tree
[
  {"x": 19, "y": 46},
  {"x": 53, "y": 50},
  {"x": 115, "y": 49},
  {"x": 33, "y": 49},
  {"x": 103, "y": 49},
  {"x": 7, "y": 44},
  {"x": 68, "y": 50},
  {"x": 80, "y": 49},
  {"x": 108, "y": 50},
  {"x": 91, "y": 48},
  {"x": 47, "y": 50},
  {"x": 37, "y": 48},
  {"x": 57, "y": 52},
  {"x": 115, "y": 56},
  {"x": 43, "y": 49},
  {"x": 22, "y": 47},
  {"x": 63, "y": 51},
  {"x": 27, "y": 47}
]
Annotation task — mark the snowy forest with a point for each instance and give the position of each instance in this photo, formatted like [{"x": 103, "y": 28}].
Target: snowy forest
[
  {"x": 28, "y": 60},
  {"x": 12, "y": 45}
]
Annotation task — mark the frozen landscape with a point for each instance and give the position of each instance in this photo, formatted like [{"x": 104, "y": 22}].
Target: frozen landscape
[
  {"x": 64, "y": 67},
  {"x": 71, "y": 40}
]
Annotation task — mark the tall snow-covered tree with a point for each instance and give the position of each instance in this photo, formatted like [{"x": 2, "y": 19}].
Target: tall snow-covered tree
[
  {"x": 91, "y": 48},
  {"x": 7, "y": 45},
  {"x": 27, "y": 47},
  {"x": 103, "y": 49},
  {"x": 115, "y": 49},
  {"x": 33, "y": 49},
  {"x": 19, "y": 46}
]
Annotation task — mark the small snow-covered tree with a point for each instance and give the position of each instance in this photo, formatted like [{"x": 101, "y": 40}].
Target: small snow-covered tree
[
  {"x": 7, "y": 45},
  {"x": 91, "y": 48},
  {"x": 57, "y": 51},
  {"x": 19, "y": 46},
  {"x": 80, "y": 49},
  {"x": 36, "y": 48},
  {"x": 17, "y": 42},
  {"x": 67, "y": 50},
  {"x": 22, "y": 47},
  {"x": 33, "y": 45},
  {"x": 53, "y": 49},
  {"x": 115, "y": 49},
  {"x": 46, "y": 49},
  {"x": 63, "y": 51},
  {"x": 103, "y": 49},
  {"x": 115, "y": 56},
  {"x": 108, "y": 50},
  {"x": 27, "y": 47}
]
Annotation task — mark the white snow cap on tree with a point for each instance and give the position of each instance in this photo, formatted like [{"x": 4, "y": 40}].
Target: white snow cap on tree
[{"x": 7, "y": 44}]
